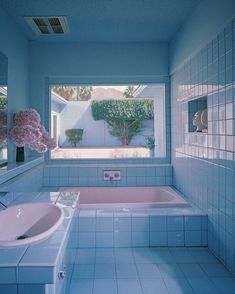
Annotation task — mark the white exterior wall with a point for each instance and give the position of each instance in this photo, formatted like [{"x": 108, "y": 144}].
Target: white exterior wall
[{"x": 96, "y": 133}]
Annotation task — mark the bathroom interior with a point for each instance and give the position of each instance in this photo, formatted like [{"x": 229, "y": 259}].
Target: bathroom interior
[{"x": 117, "y": 136}]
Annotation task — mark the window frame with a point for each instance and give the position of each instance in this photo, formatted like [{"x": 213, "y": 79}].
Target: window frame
[{"x": 88, "y": 81}]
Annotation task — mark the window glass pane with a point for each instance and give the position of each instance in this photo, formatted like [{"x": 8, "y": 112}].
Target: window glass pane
[{"x": 108, "y": 121}]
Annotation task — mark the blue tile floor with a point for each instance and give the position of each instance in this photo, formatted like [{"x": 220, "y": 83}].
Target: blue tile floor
[{"x": 149, "y": 271}]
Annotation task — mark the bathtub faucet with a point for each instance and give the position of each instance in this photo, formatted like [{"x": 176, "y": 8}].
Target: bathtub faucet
[{"x": 112, "y": 175}]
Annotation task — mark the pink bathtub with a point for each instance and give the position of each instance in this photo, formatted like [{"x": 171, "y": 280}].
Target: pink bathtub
[{"x": 127, "y": 197}]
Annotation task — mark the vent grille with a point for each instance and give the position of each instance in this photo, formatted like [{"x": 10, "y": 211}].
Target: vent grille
[{"x": 53, "y": 25}]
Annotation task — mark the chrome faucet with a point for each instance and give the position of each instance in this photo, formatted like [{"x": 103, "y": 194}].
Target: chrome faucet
[{"x": 4, "y": 206}]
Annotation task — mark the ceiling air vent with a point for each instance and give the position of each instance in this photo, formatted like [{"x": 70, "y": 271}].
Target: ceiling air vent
[{"x": 52, "y": 25}]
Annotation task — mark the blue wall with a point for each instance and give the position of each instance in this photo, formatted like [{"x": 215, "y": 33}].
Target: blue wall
[
  {"x": 14, "y": 45},
  {"x": 203, "y": 163},
  {"x": 206, "y": 20},
  {"x": 105, "y": 62}
]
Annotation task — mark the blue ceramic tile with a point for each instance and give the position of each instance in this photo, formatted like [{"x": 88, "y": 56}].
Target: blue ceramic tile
[
  {"x": 150, "y": 286},
  {"x": 8, "y": 289},
  {"x": 178, "y": 286},
  {"x": 192, "y": 270},
  {"x": 160, "y": 255},
  {"x": 193, "y": 223},
  {"x": 29, "y": 275},
  {"x": 126, "y": 271},
  {"x": 87, "y": 213},
  {"x": 176, "y": 238},
  {"x": 204, "y": 238},
  {"x": 122, "y": 224},
  {"x": 72, "y": 240},
  {"x": 85, "y": 286},
  {"x": 129, "y": 286},
  {"x": 140, "y": 224},
  {"x": 104, "y": 239},
  {"x": 202, "y": 286},
  {"x": 86, "y": 240},
  {"x": 8, "y": 275},
  {"x": 157, "y": 223},
  {"x": 182, "y": 255},
  {"x": 82, "y": 271},
  {"x": 86, "y": 224},
  {"x": 85, "y": 256},
  {"x": 148, "y": 271},
  {"x": 143, "y": 255},
  {"x": 107, "y": 285},
  {"x": 11, "y": 257},
  {"x": 158, "y": 238},
  {"x": 204, "y": 222},
  {"x": 46, "y": 255},
  {"x": 104, "y": 255},
  {"x": 122, "y": 239},
  {"x": 225, "y": 284},
  {"x": 105, "y": 271},
  {"x": 124, "y": 255},
  {"x": 27, "y": 289},
  {"x": 175, "y": 223},
  {"x": 140, "y": 239},
  {"x": 104, "y": 224},
  {"x": 193, "y": 238},
  {"x": 215, "y": 270},
  {"x": 170, "y": 270}
]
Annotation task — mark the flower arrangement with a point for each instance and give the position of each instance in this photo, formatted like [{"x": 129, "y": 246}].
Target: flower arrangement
[
  {"x": 3, "y": 126},
  {"x": 28, "y": 130}
]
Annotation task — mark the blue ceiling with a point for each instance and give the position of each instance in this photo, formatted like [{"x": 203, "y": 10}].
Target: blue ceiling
[{"x": 106, "y": 20}]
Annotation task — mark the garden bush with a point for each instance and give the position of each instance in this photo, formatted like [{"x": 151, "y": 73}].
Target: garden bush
[
  {"x": 74, "y": 136},
  {"x": 124, "y": 116}
]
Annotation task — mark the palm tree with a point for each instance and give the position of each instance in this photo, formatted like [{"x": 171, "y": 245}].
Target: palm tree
[
  {"x": 65, "y": 91},
  {"x": 84, "y": 93},
  {"x": 129, "y": 91}
]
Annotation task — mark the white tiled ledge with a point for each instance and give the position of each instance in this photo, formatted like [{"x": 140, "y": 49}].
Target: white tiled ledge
[
  {"x": 56, "y": 165},
  {"x": 14, "y": 169}
]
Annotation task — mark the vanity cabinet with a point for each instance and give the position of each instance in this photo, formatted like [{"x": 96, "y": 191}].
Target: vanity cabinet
[{"x": 44, "y": 267}]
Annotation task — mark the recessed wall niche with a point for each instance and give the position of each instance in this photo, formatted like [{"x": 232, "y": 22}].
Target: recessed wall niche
[{"x": 197, "y": 115}]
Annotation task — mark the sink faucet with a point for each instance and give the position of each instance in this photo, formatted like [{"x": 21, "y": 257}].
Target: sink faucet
[{"x": 5, "y": 207}]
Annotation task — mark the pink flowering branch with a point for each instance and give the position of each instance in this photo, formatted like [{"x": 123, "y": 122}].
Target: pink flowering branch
[{"x": 28, "y": 130}]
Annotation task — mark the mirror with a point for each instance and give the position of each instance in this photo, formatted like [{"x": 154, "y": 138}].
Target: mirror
[{"x": 3, "y": 109}]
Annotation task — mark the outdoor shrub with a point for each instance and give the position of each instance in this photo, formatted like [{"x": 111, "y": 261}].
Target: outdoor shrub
[
  {"x": 123, "y": 116},
  {"x": 3, "y": 102},
  {"x": 74, "y": 136},
  {"x": 125, "y": 109}
]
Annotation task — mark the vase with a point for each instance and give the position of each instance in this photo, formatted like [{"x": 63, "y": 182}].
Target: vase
[{"x": 19, "y": 154}]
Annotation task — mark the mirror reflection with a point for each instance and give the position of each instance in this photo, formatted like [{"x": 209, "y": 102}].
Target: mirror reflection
[{"x": 3, "y": 109}]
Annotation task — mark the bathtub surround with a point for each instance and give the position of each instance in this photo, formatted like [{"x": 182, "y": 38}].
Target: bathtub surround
[
  {"x": 92, "y": 175},
  {"x": 141, "y": 227},
  {"x": 203, "y": 163}
]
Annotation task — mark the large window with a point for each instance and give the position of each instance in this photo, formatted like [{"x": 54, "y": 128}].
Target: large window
[{"x": 108, "y": 121}]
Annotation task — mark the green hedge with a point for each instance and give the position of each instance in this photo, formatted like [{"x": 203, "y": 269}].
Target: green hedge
[
  {"x": 74, "y": 136},
  {"x": 125, "y": 109},
  {"x": 3, "y": 102},
  {"x": 124, "y": 116}
]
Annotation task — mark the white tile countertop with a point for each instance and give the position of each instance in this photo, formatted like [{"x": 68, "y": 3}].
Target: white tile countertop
[{"x": 36, "y": 263}]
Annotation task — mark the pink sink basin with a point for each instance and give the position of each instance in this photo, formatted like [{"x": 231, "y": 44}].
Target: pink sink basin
[{"x": 28, "y": 223}]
